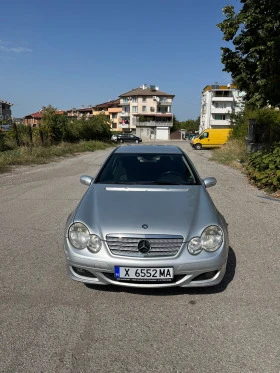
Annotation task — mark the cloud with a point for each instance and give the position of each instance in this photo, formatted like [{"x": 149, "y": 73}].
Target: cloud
[{"x": 11, "y": 49}]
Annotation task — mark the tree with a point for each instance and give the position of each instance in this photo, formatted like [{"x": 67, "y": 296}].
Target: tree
[
  {"x": 190, "y": 125},
  {"x": 53, "y": 124},
  {"x": 254, "y": 62},
  {"x": 176, "y": 124}
]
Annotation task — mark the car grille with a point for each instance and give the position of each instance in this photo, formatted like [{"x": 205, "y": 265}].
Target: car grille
[{"x": 160, "y": 246}]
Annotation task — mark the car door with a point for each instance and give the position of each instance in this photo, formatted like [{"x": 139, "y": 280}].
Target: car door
[{"x": 130, "y": 138}]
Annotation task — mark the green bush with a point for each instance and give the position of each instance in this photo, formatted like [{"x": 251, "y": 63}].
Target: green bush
[
  {"x": 93, "y": 128},
  {"x": 263, "y": 168},
  {"x": 267, "y": 124},
  {"x": 73, "y": 130},
  {"x": 239, "y": 126},
  {"x": 3, "y": 145}
]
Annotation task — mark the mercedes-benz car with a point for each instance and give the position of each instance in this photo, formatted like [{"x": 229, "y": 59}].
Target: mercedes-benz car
[
  {"x": 127, "y": 137},
  {"x": 147, "y": 220}
]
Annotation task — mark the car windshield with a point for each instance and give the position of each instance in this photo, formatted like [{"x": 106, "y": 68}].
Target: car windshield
[{"x": 147, "y": 169}]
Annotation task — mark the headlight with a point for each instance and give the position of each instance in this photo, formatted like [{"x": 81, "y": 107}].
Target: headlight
[
  {"x": 80, "y": 238},
  {"x": 194, "y": 246},
  {"x": 212, "y": 238},
  {"x": 78, "y": 235}
]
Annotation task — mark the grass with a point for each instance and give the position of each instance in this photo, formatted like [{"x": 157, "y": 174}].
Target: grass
[
  {"x": 233, "y": 154},
  {"x": 42, "y": 155}
]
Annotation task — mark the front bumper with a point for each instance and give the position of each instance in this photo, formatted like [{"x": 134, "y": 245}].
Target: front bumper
[{"x": 189, "y": 271}]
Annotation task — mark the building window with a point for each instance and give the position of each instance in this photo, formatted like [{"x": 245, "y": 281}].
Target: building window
[
  {"x": 114, "y": 125},
  {"x": 144, "y": 109},
  {"x": 134, "y": 99},
  {"x": 134, "y": 109},
  {"x": 125, "y": 100},
  {"x": 114, "y": 115},
  {"x": 219, "y": 117},
  {"x": 144, "y": 99},
  {"x": 222, "y": 94},
  {"x": 222, "y": 105}
]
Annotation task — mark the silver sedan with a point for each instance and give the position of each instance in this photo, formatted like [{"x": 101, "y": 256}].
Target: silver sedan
[{"x": 147, "y": 220}]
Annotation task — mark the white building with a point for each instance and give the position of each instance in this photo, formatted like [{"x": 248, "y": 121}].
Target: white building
[
  {"x": 218, "y": 103},
  {"x": 146, "y": 111}
]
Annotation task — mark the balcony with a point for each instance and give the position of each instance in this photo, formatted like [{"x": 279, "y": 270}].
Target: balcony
[
  {"x": 223, "y": 99},
  {"x": 154, "y": 124},
  {"x": 218, "y": 123},
  {"x": 114, "y": 110},
  {"x": 126, "y": 125},
  {"x": 124, "y": 114},
  {"x": 165, "y": 102},
  {"x": 220, "y": 110},
  {"x": 124, "y": 102}
]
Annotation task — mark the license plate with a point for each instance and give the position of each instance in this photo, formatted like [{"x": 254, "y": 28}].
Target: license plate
[{"x": 144, "y": 274}]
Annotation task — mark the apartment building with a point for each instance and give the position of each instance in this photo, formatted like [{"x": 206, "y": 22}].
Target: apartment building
[
  {"x": 111, "y": 109},
  {"x": 5, "y": 112},
  {"x": 147, "y": 112},
  {"x": 218, "y": 103}
]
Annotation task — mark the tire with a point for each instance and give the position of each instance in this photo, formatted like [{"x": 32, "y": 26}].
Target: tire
[
  {"x": 121, "y": 141},
  {"x": 136, "y": 141},
  {"x": 198, "y": 146}
]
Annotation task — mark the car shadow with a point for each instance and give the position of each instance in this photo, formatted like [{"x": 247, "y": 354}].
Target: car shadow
[{"x": 229, "y": 276}]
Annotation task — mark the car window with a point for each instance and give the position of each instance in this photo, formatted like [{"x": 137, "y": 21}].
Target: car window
[
  {"x": 204, "y": 135},
  {"x": 147, "y": 169}
]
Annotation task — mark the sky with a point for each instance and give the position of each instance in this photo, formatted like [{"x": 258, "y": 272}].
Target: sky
[{"x": 69, "y": 53}]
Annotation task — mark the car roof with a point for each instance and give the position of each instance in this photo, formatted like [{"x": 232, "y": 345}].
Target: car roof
[{"x": 155, "y": 149}]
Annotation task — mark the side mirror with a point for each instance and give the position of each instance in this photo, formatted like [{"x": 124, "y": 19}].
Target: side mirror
[
  {"x": 209, "y": 182},
  {"x": 86, "y": 180}
]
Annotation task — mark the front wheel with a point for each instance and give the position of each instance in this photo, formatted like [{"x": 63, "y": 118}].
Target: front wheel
[
  {"x": 198, "y": 146},
  {"x": 136, "y": 141},
  {"x": 121, "y": 141}
]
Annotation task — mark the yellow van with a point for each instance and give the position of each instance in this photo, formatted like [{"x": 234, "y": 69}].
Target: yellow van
[{"x": 211, "y": 138}]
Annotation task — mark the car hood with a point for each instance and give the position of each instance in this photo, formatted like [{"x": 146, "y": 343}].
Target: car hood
[{"x": 178, "y": 210}]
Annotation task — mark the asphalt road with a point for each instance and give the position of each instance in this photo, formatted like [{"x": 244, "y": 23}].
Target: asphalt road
[{"x": 50, "y": 323}]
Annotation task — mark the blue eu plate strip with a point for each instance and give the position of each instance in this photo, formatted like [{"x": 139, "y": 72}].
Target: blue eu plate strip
[{"x": 117, "y": 272}]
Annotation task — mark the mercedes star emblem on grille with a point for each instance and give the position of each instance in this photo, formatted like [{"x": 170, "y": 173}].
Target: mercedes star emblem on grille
[{"x": 144, "y": 246}]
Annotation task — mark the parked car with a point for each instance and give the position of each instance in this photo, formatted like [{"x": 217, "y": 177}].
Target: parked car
[
  {"x": 191, "y": 136},
  {"x": 127, "y": 137},
  {"x": 147, "y": 220},
  {"x": 114, "y": 137}
]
